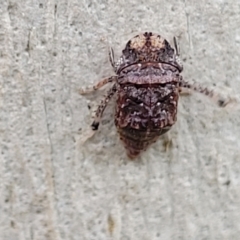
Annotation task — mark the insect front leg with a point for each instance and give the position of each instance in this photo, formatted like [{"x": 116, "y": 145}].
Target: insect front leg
[
  {"x": 176, "y": 46},
  {"x": 97, "y": 85},
  {"x": 102, "y": 107},
  {"x": 111, "y": 59},
  {"x": 203, "y": 90}
]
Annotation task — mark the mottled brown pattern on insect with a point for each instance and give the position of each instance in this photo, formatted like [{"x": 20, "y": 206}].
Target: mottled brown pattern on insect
[{"x": 147, "y": 84}]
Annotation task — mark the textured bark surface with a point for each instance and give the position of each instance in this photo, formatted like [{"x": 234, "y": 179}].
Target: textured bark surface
[{"x": 56, "y": 185}]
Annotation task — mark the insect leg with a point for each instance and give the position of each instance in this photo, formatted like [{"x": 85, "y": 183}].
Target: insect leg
[
  {"x": 97, "y": 85},
  {"x": 111, "y": 57},
  {"x": 200, "y": 89},
  {"x": 177, "y": 49},
  {"x": 176, "y": 46},
  {"x": 102, "y": 107}
]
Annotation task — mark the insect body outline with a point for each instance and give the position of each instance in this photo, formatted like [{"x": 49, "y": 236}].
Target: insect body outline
[{"x": 147, "y": 83}]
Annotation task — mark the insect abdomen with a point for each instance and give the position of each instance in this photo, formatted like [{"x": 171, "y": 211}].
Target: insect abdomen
[{"x": 136, "y": 141}]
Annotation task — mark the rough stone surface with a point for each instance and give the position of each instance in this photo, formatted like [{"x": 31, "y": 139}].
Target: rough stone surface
[{"x": 56, "y": 186}]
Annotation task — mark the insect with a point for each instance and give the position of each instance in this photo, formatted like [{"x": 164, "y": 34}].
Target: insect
[{"x": 147, "y": 84}]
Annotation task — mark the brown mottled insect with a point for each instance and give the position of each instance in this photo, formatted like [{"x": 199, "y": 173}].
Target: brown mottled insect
[{"x": 147, "y": 84}]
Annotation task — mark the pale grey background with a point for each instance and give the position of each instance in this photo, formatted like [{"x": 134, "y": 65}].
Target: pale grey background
[{"x": 55, "y": 186}]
